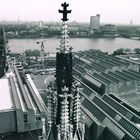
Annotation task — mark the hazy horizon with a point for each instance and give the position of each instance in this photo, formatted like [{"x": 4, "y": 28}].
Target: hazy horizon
[{"x": 118, "y": 11}]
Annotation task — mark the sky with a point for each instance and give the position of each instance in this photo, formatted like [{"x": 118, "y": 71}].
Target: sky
[{"x": 111, "y": 11}]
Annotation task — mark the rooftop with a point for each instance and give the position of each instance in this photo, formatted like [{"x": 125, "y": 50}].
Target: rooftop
[{"x": 5, "y": 95}]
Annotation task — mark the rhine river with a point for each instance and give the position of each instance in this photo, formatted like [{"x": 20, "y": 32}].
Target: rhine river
[{"x": 103, "y": 44}]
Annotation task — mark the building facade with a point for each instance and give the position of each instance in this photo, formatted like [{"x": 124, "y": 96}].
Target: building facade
[
  {"x": 109, "y": 30},
  {"x": 95, "y": 22}
]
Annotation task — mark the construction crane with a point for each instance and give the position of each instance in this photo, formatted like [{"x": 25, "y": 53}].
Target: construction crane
[{"x": 42, "y": 52}]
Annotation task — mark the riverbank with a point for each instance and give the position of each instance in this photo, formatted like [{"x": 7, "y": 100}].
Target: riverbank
[
  {"x": 59, "y": 36},
  {"x": 71, "y": 36}
]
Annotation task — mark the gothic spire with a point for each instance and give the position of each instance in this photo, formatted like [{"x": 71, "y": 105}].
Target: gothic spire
[{"x": 64, "y": 46}]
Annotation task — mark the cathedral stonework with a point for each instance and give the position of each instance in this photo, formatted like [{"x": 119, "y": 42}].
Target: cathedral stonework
[{"x": 65, "y": 118}]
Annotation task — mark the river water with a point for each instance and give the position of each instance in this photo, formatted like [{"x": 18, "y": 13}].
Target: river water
[{"x": 103, "y": 44}]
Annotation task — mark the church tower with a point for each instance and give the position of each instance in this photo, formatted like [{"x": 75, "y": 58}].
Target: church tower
[
  {"x": 64, "y": 65},
  {"x": 67, "y": 124},
  {"x": 3, "y": 51}
]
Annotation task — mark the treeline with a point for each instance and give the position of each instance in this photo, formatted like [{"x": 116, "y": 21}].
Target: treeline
[
  {"x": 34, "y": 53},
  {"x": 123, "y": 51},
  {"x": 30, "y": 53}
]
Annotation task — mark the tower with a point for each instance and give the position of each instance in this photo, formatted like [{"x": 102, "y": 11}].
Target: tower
[
  {"x": 67, "y": 121},
  {"x": 63, "y": 63},
  {"x": 3, "y": 51},
  {"x": 131, "y": 22},
  {"x": 95, "y": 22},
  {"x": 42, "y": 52},
  {"x": 64, "y": 78}
]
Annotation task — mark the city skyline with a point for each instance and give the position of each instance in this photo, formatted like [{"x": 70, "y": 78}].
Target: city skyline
[{"x": 121, "y": 12}]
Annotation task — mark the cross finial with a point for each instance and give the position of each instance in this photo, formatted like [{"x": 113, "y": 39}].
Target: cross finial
[{"x": 64, "y": 11}]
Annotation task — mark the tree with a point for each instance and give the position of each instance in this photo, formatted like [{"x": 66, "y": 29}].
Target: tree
[
  {"x": 28, "y": 53},
  {"x": 127, "y": 51},
  {"x": 35, "y": 53},
  {"x": 119, "y": 51},
  {"x": 137, "y": 50}
]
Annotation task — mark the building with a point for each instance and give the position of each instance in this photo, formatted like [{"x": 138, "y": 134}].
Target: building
[
  {"x": 50, "y": 62},
  {"x": 65, "y": 117},
  {"x": 109, "y": 30},
  {"x": 111, "y": 72},
  {"x": 95, "y": 22},
  {"x": 73, "y": 30},
  {"x": 22, "y": 109},
  {"x": 3, "y": 52},
  {"x": 108, "y": 115}
]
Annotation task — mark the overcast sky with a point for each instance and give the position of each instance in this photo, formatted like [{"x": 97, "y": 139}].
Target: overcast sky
[{"x": 111, "y": 11}]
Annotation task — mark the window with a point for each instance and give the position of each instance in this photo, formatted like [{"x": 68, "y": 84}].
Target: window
[
  {"x": 26, "y": 119},
  {"x": 38, "y": 119}
]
